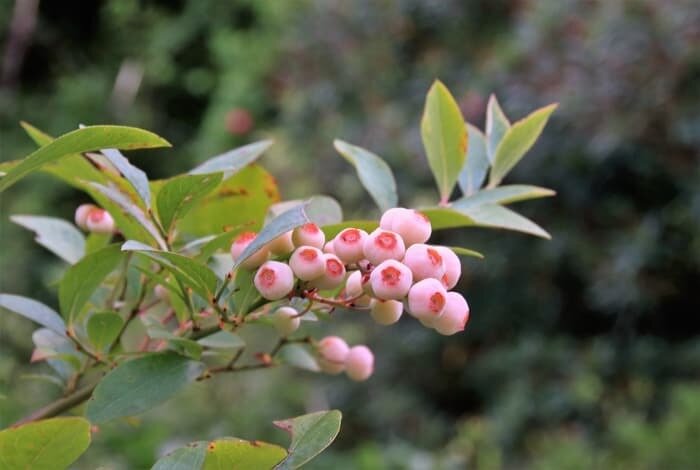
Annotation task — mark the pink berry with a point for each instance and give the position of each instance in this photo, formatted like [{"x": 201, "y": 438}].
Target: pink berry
[
  {"x": 99, "y": 221},
  {"x": 348, "y": 245},
  {"x": 453, "y": 268},
  {"x": 424, "y": 261},
  {"x": 241, "y": 243},
  {"x": 307, "y": 263},
  {"x": 427, "y": 299},
  {"x": 161, "y": 292},
  {"x": 391, "y": 280},
  {"x": 274, "y": 280},
  {"x": 333, "y": 275},
  {"x": 382, "y": 245},
  {"x": 281, "y": 245},
  {"x": 332, "y": 351},
  {"x": 310, "y": 235},
  {"x": 328, "y": 248},
  {"x": 387, "y": 220},
  {"x": 386, "y": 312},
  {"x": 286, "y": 320},
  {"x": 413, "y": 226},
  {"x": 353, "y": 286},
  {"x": 455, "y": 316},
  {"x": 359, "y": 363},
  {"x": 81, "y": 214}
]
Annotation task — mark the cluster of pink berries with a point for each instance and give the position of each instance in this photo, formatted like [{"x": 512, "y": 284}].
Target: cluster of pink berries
[
  {"x": 93, "y": 219},
  {"x": 335, "y": 356}
]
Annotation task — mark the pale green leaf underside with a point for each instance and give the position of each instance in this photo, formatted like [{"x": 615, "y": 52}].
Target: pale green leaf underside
[
  {"x": 503, "y": 195},
  {"x": 474, "y": 171},
  {"x": 496, "y": 126},
  {"x": 56, "y": 235},
  {"x": 311, "y": 434},
  {"x": 35, "y": 311}
]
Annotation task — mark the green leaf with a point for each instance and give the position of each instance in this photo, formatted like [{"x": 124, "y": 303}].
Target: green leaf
[
  {"x": 321, "y": 210},
  {"x": 82, "y": 140},
  {"x": 103, "y": 329},
  {"x": 133, "y": 175},
  {"x": 140, "y": 384},
  {"x": 495, "y": 216},
  {"x": 474, "y": 171},
  {"x": 96, "y": 241},
  {"x": 222, "y": 340},
  {"x": 234, "y": 160},
  {"x": 56, "y": 235},
  {"x": 444, "y": 218},
  {"x": 283, "y": 223},
  {"x": 51, "y": 444},
  {"x": 190, "y": 457},
  {"x": 311, "y": 434},
  {"x": 517, "y": 141},
  {"x": 178, "y": 195},
  {"x": 232, "y": 453},
  {"x": 81, "y": 279},
  {"x": 466, "y": 252},
  {"x": 214, "y": 243},
  {"x": 244, "y": 291},
  {"x": 502, "y": 195},
  {"x": 444, "y": 137},
  {"x": 194, "y": 274},
  {"x": 58, "y": 351},
  {"x": 35, "y": 311},
  {"x": 298, "y": 356},
  {"x": 129, "y": 207},
  {"x": 375, "y": 175},
  {"x": 334, "y": 229},
  {"x": 497, "y": 125}
]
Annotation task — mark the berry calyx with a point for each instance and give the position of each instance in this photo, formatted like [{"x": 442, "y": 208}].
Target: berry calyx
[
  {"x": 348, "y": 245},
  {"x": 274, "y": 280},
  {"x": 382, "y": 245},
  {"x": 99, "y": 221},
  {"x": 391, "y": 280},
  {"x": 333, "y": 275}
]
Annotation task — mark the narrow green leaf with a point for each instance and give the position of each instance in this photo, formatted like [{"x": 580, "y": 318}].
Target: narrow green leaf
[
  {"x": 502, "y": 195},
  {"x": 321, "y": 209},
  {"x": 495, "y": 216},
  {"x": 375, "y": 175},
  {"x": 189, "y": 457},
  {"x": 234, "y": 160},
  {"x": 244, "y": 291},
  {"x": 140, "y": 384},
  {"x": 194, "y": 274},
  {"x": 311, "y": 434},
  {"x": 444, "y": 218},
  {"x": 497, "y": 125},
  {"x": 466, "y": 252},
  {"x": 181, "y": 193},
  {"x": 39, "y": 137},
  {"x": 51, "y": 444},
  {"x": 222, "y": 340},
  {"x": 474, "y": 171},
  {"x": 35, "y": 311},
  {"x": 96, "y": 241},
  {"x": 56, "y": 235},
  {"x": 298, "y": 356},
  {"x": 133, "y": 175},
  {"x": 103, "y": 329},
  {"x": 82, "y": 140},
  {"x": 517, "y": 141},
  {"x": 444, "y": 137},
  {"x": 233, "y": 453},
  {"x": 81, "y": 279}
]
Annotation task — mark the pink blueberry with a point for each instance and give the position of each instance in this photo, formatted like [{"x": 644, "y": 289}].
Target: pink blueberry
[
  {"x": 328, "y": 248},
  {"x": 424, "y": 261},
  {"x": 241, "y": 243},
  {"x": 81, "y": 214},
  {"x": 307, "y": 263},
  {"x": 382, "y": 245},
  {"x": 161, "y": 292},
  {"x": 99, "y": 221},
  {"x": 309, "y": 234},
  {"x": 274, "y": 280},
  {"x": 285, "y": 320},
  {"x": 348, "y": 245},
  {"x": 332, "y": 351},
  {"x": 359, "y": 363},
  {"x": 333, "y": 275},
  {"x": 353, "y": 285},
  {"x": 388, "y": 217},
  {"x": 386, "y": 312},
  {"x": 391, "y": 280},
  {"x": 427, "y": 299},
  {"x": 413, "y": 226},
  {"x": 281, "y": 245},
  {"x": 455, "y": 317},
  {"x": 453, "y": 268}
]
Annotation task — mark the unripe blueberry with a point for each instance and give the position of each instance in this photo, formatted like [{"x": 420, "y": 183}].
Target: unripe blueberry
[
  {"x": 455, "y": 316},
  {"x": 453, "y": 268},
  {"x": 333, "y": 275},
  {"x": 413, "y": 226},
  {"x": 388, "y": 217},
  {"x": 332, "y": 351},
  {"x": 161, "y": 292},
  {"x": 241, "y": 243},
  {"x": 307, "y": 263},
  {"x": 274, "y": 280},
  {"x": 99, "y": 221},
  {"x": 424, "y": 261},
  {"x": 348, "y": 245},
  {"x": 427, "y": 299},
  {"x": 286, "y": 320},
  {"x": 391, "y": 280},
  {"x": 386, "y": 312},
  {"x": 309, "y": 234},
  {"x": 353, "y": 285},
  {"x": 281, "y": 245},
  {"x": 81, "y": 214},
  {"x": 359, "y": 363},
  {"x": 383, "y": 244}
]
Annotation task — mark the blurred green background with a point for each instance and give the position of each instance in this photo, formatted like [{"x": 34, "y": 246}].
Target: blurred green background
[{"x": 582, "y": 352}]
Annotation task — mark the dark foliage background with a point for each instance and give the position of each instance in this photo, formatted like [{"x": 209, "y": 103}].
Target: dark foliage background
[{"x": 582, "y": 352}]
